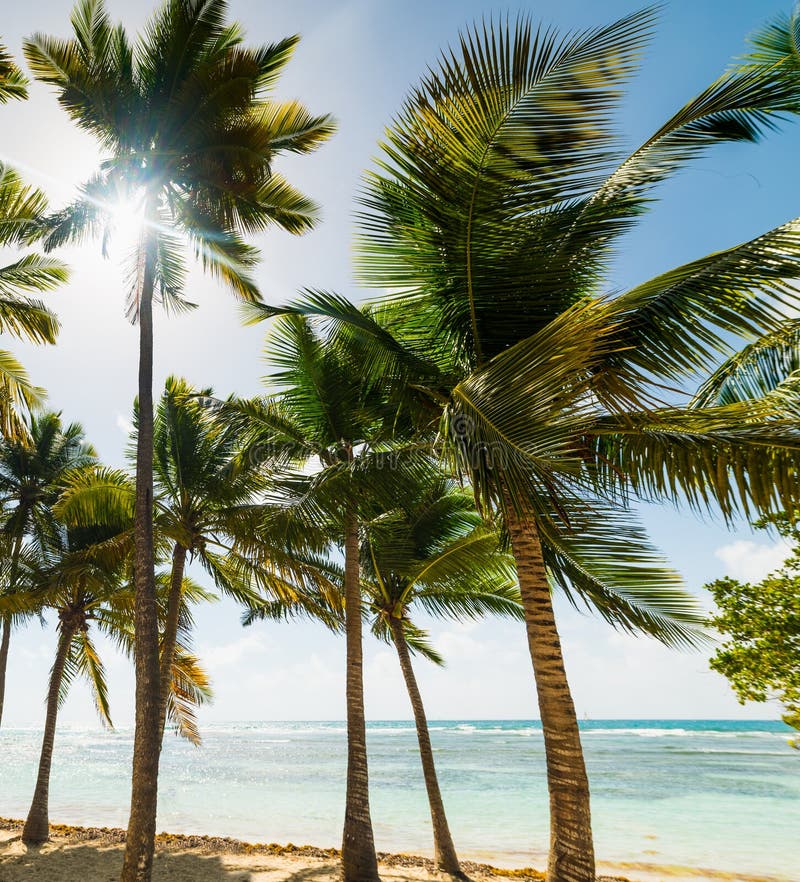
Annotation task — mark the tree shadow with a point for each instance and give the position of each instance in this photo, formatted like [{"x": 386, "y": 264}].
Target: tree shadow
[
  {"x": 317, "y": 872},
  {"x": 88, "y": 863}
]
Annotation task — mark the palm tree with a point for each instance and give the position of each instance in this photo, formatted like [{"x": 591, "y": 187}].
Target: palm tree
[
  {"x": 189, "y": 686},
  {"x": 494, "y": 215},
  {"x": 205, "y": 498},
  {"x": 326, "y": 443},
  {"x": 433, "y": 553},
  {"x": 15, "y": 569},
  {"x": 32, "y": 473},
  {"x": 190, "y": 135},
  {"x": 429, "y": 549},
  {"x": 82, "y": 581},
  {"x": 83, "y": 575}
]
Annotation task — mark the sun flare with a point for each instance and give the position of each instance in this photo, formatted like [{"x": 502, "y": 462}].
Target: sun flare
[{"x": 128, "y": 222}]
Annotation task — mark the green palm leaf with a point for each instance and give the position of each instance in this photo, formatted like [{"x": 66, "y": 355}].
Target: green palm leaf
[{"x": 12, "y": 81}]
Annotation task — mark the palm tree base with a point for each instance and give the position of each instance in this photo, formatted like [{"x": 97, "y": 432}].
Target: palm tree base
[
  {"x": 447, "y": 876},
  {"x": 35, "y": 832}
]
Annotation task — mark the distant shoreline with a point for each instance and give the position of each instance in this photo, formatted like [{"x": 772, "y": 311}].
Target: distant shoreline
[{"x": 584, "y": 722}]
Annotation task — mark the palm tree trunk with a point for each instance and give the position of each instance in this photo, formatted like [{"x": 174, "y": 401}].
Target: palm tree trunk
[
  {"x": 359, "y": 861},
  {"x": 444, "y": 852},
  {"x": 6, "y": 638},
  {"x": 140, "y": 839},
  {"x": 4, "y": 643},
  {"x": 571, "y": 846},
  {"x": 170, "y": 637},
  {"x": 37, "y": 826}
]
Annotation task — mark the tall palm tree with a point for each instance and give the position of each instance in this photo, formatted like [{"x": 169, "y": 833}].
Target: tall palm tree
[
  {"x": 190, "y": 134},
  {"x": 325, "y": 438},
  {"x": 433, "y": 553},
  {"x": 494, "y": 214},
  {"x": 32, "y": 474}
]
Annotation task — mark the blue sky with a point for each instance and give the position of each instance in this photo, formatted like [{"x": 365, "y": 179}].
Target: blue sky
[{"x": 357, "y": 60}]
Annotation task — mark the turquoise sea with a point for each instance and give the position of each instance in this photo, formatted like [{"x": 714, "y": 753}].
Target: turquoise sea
[{"x": 714, "y": 794}]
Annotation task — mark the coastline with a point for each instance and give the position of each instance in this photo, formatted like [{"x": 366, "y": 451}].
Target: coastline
[{"x": 94, "y": 854}]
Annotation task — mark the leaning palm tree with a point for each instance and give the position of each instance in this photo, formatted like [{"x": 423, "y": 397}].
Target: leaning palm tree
[
  {"x": 494, "y": 215},
  {"x": 189, "y": 685},
  {"x": 190, "y": 134},
  {"x": 433, "y": 553},
  {"x": 32, "y": 474},
  {"x": 82, "y": 581},
  {"x": 84, "y": 577},
  {"x": 325, "y": 439}
]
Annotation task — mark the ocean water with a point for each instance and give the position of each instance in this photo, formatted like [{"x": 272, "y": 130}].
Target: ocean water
[{"x": 719, "y": 795}]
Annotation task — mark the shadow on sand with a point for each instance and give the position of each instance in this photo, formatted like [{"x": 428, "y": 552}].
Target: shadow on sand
[{"x": 93, "y": 863}]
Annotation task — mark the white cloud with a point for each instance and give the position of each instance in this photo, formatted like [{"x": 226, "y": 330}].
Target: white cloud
[
  {"x": 751, "y": 561},
  {"x": 124, "y": 425},
  {"x": 457, "y": 643},
  {"x": 232, "y": 653}
]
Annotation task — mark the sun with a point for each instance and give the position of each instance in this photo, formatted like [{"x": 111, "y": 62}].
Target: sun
[{"x": 128, "y": 222}]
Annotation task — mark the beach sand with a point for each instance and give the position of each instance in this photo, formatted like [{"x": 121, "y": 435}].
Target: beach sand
[
  {"x": 86, "y": 854},
  {"x": 92, "y": 854}
]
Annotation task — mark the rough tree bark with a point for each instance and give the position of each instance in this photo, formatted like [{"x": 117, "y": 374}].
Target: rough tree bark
[
  {"x": 359, "y": 861},
  {"x": 169, "y": 639},
  {"x": 5, "y": 641},
  {"x": 4, "y": 644},
  {"x": 140, "y": 839},
  {"x": 37, "y": 825},
  {"x": 571, "y": 845},
  {"x": 444, "y": 851}
]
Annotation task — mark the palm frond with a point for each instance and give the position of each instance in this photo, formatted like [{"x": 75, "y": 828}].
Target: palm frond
[
  {"x": 605, "y": 560},
  {"x": 97, "y": 495},
  {"x": 190, "y": 688},
  {"x": 291, "y": 127},
  {"x": 21, "y": 207},
  {"x": 12, "y": 81},
  {"x": 89, "y": 664},
  {"x": 18, "y": 396},
  {"x": 729, "y": 459},
  {"x": 756, "y": 370},
  {"x": 742, "y": 291}
]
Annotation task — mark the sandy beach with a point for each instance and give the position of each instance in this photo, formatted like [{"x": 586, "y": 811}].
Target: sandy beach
[
  {"x": 87, "y": 854},
  {"x": 92, "y": 854}
]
